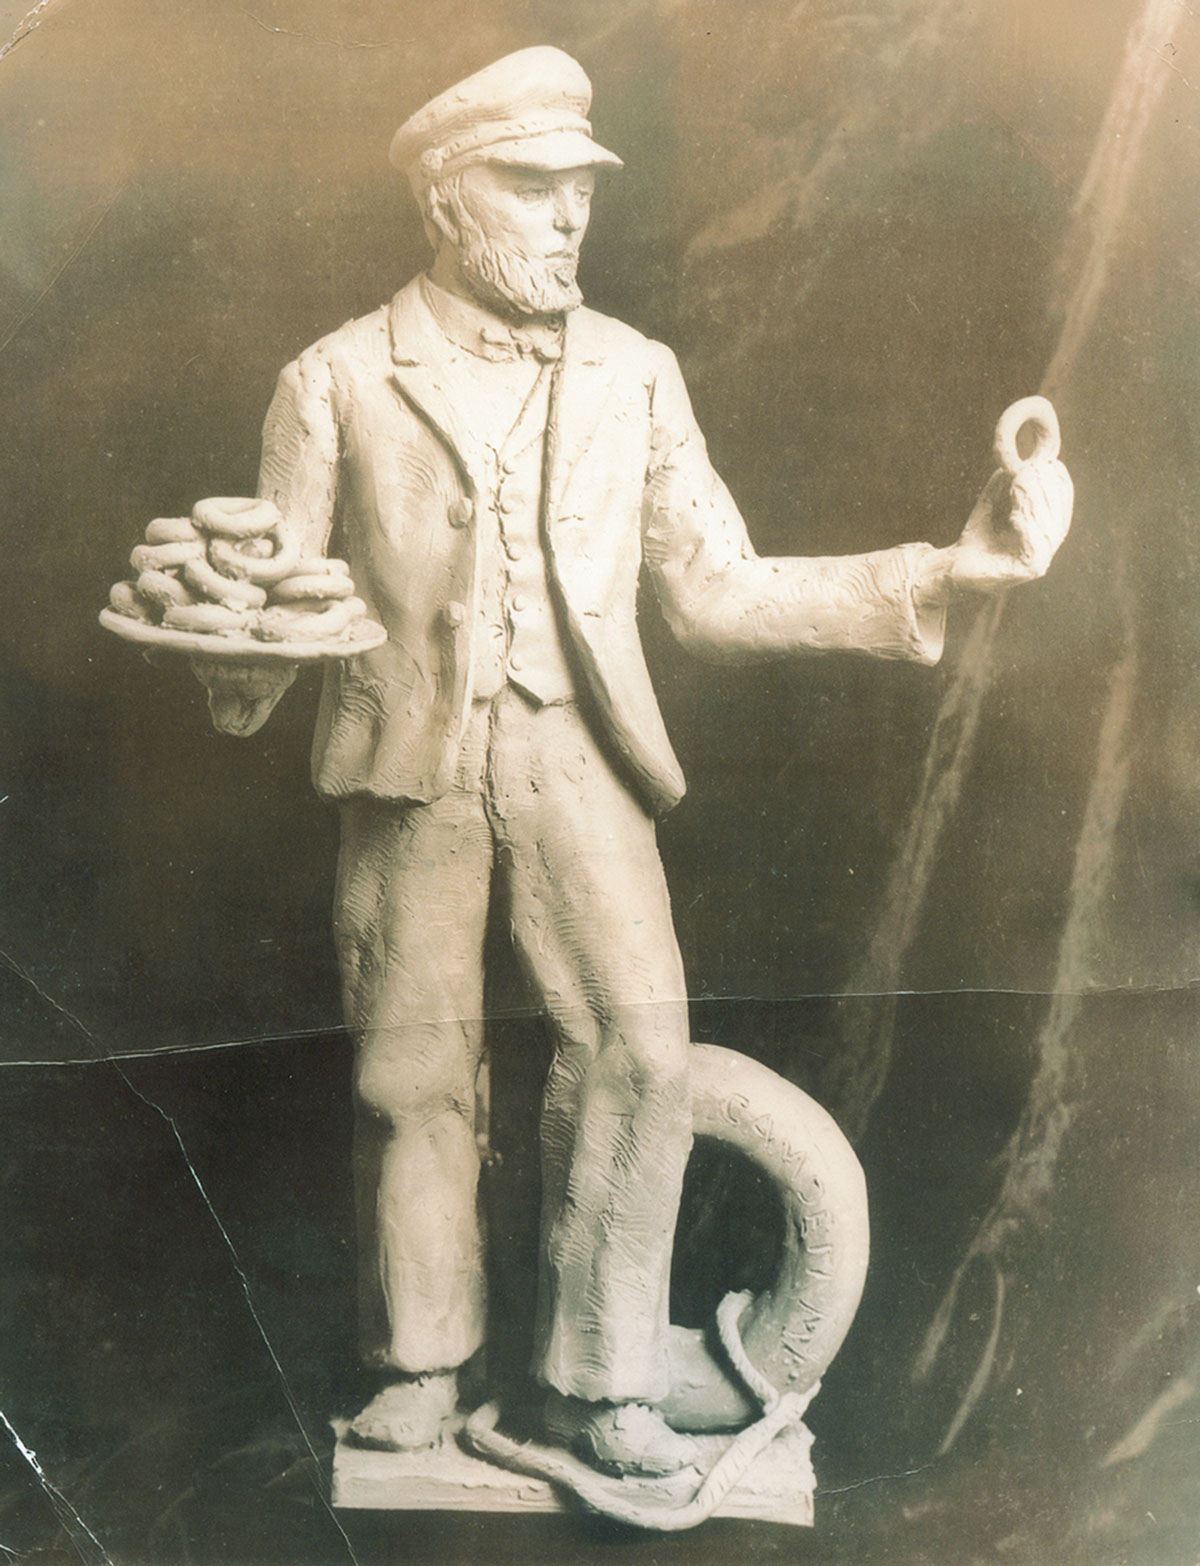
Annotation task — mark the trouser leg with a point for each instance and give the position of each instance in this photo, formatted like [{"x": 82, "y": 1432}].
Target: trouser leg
[
  {"x": 592, "y": 926},
  {"x": 409, "y": 922}
]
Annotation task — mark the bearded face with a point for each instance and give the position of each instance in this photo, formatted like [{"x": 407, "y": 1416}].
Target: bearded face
[
  {"x": 502, "y": 275},
  {"x": 516, "y": 234}
]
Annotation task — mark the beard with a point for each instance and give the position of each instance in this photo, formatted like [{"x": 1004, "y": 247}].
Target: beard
[{"x": 513, "y": 282}]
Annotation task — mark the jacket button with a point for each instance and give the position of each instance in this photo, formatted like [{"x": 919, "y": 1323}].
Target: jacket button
[
  {"x": 461, "y": 512},
  {"x": 455, "y": 614}
]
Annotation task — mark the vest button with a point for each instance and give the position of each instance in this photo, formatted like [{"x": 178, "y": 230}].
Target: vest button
[
  {"x": 520, "y": 603},
  {"x": 509, "y": 465},
  {"x": 507, "y": 504},
  {"x": 514, "y": 548},
  {"x": 461, "y": 512},
  {"x": 516, "y": 663}
]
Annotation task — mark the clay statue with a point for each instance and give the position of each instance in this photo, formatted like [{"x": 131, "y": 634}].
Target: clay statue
[{"x": 499, "y": 465}]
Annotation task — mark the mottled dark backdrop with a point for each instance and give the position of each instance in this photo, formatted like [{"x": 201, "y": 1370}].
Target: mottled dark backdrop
[{"x": 864, "y": 229}]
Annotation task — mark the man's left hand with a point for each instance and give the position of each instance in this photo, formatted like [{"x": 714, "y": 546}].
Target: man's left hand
[{"x": 1011, "y": 536}]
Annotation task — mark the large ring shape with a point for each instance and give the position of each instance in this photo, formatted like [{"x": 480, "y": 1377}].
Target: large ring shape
[{"x": 793, "y": 1329}]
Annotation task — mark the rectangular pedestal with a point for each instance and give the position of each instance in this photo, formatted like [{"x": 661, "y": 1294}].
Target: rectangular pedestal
[{"x": 778, "y": 1487}]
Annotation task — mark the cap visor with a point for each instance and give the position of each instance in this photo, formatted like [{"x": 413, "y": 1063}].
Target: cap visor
[{"x": 554, "y": 150}]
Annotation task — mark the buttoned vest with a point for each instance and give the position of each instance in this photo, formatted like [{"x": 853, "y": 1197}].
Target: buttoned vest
[{"x": 516, "y": 637}]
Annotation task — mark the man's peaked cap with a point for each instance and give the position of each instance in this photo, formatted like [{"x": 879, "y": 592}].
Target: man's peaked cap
[{"x": 528, "y": 110}]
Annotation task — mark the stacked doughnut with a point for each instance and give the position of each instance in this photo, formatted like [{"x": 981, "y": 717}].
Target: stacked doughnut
[
  {"x": 231, "y": 568},
  {"x": 314, "y": 602}
]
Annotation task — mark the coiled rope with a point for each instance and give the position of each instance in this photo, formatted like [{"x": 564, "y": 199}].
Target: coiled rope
[{"x": 612, "y": 1497}]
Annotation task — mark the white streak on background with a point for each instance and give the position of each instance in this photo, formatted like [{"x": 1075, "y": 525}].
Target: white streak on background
[
  {"x": 1032, "y": 1152},
  {"x": 70, "y": 1520},
  {"x": 858, "y": 1073},
  {"x": 1031, "y": 1157}
]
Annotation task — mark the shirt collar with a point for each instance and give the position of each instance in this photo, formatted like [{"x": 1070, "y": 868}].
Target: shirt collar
[{"x": 488, "y": 336}]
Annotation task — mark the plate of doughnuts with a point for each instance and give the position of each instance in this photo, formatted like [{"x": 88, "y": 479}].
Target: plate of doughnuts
[{"x": 230, "y": 581}]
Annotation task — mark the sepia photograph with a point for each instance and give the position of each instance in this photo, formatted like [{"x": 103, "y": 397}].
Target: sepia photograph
[{"x": 601, "y": 782}]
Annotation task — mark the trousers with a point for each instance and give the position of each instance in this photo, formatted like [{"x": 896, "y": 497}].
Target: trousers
[{"x": 539, "y": 818}]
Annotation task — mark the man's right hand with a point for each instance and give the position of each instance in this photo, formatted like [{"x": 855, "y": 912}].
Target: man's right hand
[{"x": 242, "y": 696}]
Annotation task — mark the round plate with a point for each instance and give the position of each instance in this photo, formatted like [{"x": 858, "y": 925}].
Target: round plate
[{"x": 240, "y": 647}]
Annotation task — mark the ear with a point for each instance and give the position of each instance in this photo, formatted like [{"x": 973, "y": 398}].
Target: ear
[{"x": 441, "y": 219}]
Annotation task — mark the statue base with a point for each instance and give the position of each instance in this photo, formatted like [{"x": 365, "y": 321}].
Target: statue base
[{"x": 779, "y": 1486}]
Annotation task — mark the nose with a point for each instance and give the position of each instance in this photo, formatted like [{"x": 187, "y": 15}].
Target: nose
[{"x": 570, "y": 212}]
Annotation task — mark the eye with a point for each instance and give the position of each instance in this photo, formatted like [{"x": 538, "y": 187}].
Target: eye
[{"x": 532, "y": 193}]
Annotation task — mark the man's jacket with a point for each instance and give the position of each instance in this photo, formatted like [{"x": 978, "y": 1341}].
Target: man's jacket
[{"x": 365, "y": 435}]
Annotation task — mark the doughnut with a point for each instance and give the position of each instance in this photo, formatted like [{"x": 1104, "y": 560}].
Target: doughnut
[
  {"x": 314, "y": 565},
  {"x": 125, "y": 599},
  {"x": 291, "y": 623},
  {"x": 163, "y": 589},
  {"x": 207, "y": 583},
  {"x": 230, "y": 517},
  {"x": 235, "y": 560},
  {"x": 363, "y": 627},
  {"x": 171, "y": 530},
  {"x": 1027, "y": 410},
  {"x": 162, "y": 557},
  {"x": 295, "y": 589},
  {"x": 207, "y": 617}
]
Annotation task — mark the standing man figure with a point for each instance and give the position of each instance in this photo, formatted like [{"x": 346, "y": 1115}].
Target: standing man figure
[{"x": 500, "y": 465}]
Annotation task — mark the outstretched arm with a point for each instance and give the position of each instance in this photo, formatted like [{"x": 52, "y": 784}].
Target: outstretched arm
[{"x": 724, "y": 601}]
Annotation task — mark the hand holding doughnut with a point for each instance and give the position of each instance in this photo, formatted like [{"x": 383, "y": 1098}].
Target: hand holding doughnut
[{"x": 1020, "y": 518}]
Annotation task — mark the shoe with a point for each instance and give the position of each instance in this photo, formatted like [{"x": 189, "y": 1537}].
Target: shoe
[
  {"x": 620, "y": 1438},
  {"x": 409, "y": 1413}
]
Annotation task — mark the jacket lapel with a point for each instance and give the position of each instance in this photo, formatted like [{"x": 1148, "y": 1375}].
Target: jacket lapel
[
  {"x": 578, "y": 392},
  {"x": 423, "y": 370}
]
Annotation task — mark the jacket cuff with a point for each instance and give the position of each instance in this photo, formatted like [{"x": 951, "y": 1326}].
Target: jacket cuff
[{"x": 906, "y": 579}]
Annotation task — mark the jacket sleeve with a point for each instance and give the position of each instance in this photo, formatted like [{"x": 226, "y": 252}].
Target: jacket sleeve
[
  {"x": 298, "y": 472},
  {"x": 300, "y": 450},
  {"x": 723, "y": 601}
]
